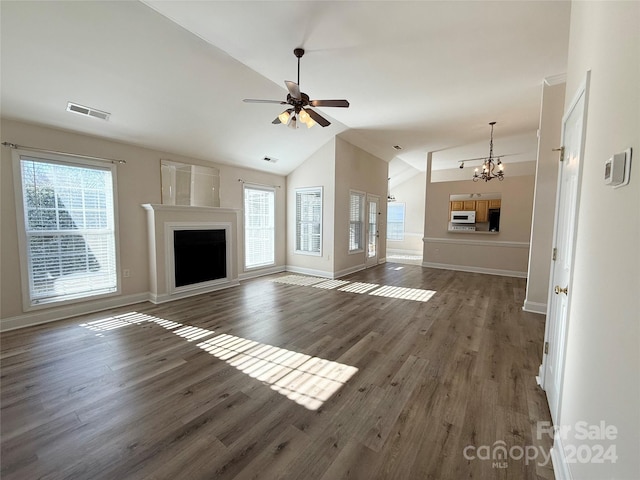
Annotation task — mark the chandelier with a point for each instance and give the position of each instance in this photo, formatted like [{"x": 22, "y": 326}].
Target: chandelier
[{"x": 491, "y": 167}]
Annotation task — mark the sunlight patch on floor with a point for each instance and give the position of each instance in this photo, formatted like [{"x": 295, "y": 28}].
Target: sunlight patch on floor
[
  {"x": 298, "y": 280},
  {"x": 358, "y": 287},
  {"x": 330, "y": 284},
  {"x": 404, "y": 293},
  {"x": 416, "y": 294},
  {"x": 309, "y": 381}
]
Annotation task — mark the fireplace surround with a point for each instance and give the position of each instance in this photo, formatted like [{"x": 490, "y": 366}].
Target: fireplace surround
[{"x": 192, "y": 250}]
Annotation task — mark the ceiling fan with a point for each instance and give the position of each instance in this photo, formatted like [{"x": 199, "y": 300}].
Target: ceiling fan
[{"x": 299, "y": 104}]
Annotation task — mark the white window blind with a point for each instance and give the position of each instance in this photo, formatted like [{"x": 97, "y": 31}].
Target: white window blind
[
  {"x": 395, "y": 221},
  {"x": 69, "y": 229},
  {"x": 309, "y": 221},
  {"x": 259, "y": 226},
  {"x": 356, "y": 221}
]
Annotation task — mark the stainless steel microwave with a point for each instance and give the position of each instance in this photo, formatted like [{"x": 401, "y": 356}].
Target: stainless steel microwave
[{"x": 463, "y": 216}]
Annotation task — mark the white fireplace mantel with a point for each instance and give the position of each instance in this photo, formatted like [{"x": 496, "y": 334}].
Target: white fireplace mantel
[{"x": 162, "y": 220}]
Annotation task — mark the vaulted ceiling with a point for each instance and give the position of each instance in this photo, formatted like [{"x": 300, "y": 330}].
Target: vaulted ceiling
[{"x": 428, "y": 76}]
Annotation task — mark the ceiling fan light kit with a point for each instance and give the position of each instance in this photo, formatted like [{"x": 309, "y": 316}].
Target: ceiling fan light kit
[
  {"x": 491, "y": 167},
  {"x": 299, "y": 111}
]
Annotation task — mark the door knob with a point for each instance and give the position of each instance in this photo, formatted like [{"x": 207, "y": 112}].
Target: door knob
[{"x": 559, "y": 290}]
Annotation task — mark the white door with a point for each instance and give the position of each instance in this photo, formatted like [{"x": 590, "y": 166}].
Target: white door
[
  {"x": 373, "y": 229},
  {"x": 564, "y": 235}
]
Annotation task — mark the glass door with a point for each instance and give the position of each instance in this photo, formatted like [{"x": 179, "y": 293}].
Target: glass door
[{"x": 373, "y": 232}]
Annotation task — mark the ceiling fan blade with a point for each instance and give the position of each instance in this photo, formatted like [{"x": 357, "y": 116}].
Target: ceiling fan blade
[
  {"x": 253, "y": 100},
  {"x": 329, "y": 103},
  {"x": 293, "y": 88},
  {"x": 276, "y": 121},
  {"x": 319, "y": 119}
]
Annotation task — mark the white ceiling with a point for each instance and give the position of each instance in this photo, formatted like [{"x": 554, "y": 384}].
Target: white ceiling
[{"x": 428, "y": 76}]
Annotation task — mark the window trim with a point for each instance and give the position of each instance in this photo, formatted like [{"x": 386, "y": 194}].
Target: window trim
[
  {"x": 78, "y": 161},
  {"x": 404, "y": 221},
  {"x": 363, "y": 197},
  {"x": 311, "y": 190},
  {"x": 244, "y": 226}
]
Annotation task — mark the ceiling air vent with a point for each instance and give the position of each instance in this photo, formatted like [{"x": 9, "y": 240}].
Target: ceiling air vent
[
  {"x": 397, "y": 147},
  {"x": 270, "y": 159},
  {"x": 87, "y": 111}
]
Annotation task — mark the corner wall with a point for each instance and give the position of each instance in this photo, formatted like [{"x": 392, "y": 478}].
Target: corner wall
[
  {"x": 544, "y": 202},
  {"x": 602, "y": 366},
  {"x": 317, "y": 171},
  {"x": 357, "y": 170}
]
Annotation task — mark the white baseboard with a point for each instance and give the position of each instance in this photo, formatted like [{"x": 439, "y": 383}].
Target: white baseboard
[
  {"x": 535, "y": 307},
  {"x": 259, "y": 272},
  {"x": 348, "y": 271},
  {"x": 560, "y": 466},
  {"x": 382, "y": 260},
  {"x": 309, "y": 271},
  {"x": 166, "y": 297},
  {"x": 61, "y": 313},
  {"x": 540, "y": 376},
  {"x": 397, "y": 251},
  {"x": 464, "y": 268}
]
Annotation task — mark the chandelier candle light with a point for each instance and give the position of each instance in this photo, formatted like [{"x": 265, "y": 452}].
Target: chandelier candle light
[{"x": 491, "y": 167}]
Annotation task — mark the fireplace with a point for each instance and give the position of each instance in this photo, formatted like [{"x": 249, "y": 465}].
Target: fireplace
[
  {"x": 192, "y": 250},
  {"x": 199, "y": 256}
]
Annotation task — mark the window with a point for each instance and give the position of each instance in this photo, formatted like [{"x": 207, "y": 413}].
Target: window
[
  {"x": 356, "y": 222},
  {"x": 259, "y": 226},
  {"x": 395, "y": 221},
  {"x": 309, "y": 221},
  {"x": 67, "y": 217}
]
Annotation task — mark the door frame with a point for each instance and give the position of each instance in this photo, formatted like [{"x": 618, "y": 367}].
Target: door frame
[{"x": 583, "y": 90}]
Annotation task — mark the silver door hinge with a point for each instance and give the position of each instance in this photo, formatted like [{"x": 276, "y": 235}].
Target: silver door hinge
[
  {"x": 555, "y": 254},
  {"x": 546, "y": 348},
  {"x": 561, "y": 150}
]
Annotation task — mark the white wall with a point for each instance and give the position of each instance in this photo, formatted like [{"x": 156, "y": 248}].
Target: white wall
[
  {"x": 317, "y": 171},
  {"x": 138, "y": 182},
  {"x": 412, "y": 193},
  {"x": 602, "y": 370},
  {"x": 540, "y": 252},
  {"x": 357, "y": 170}
]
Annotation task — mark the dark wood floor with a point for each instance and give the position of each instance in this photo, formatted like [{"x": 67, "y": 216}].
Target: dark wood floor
[{"x": 133, "y": 393}]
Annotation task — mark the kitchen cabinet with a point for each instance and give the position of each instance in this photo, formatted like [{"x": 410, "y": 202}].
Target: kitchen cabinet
[
  {"x": 469, "y": 205},
  {"x": 456, "y": 205},
  {"x": 495, "y": 203},
  {"x": 482, "y": 211}
]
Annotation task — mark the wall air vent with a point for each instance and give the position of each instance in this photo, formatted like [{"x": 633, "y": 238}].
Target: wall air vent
[{"x": 87, "y": 111}]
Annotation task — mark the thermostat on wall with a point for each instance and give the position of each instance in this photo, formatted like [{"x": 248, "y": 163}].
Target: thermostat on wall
[{"x": 617, "y": 170}]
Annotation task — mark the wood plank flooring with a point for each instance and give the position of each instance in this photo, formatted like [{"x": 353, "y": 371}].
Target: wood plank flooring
[{"x": 273, "y": 380}]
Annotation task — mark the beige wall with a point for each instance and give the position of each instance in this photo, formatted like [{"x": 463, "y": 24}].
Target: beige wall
[
  {"x": 544, "y": 198},
  {"x": 317, "y": 171},
  {"x": 503, "y": 253},
  {"x": 517, "y": 169},
  {"x": 357, "y": 170},
  {"x": 412, "y": 194},
  {"x": 601, "y": 379},
  {"x": 138, "y": 182},
  {"x": 338, "y": 166}
]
